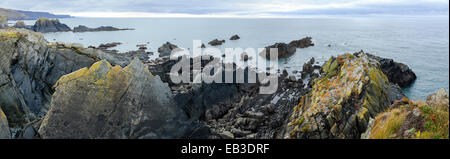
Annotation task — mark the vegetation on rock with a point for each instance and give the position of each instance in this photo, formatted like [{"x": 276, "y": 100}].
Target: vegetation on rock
[{"x": 407, "y": 119}]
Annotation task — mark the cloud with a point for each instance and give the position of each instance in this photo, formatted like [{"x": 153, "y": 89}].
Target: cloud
[{"x": 230, "y": 7}]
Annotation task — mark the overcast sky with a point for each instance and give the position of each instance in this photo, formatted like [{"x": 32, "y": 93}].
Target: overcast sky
[{"x": 144, "y": 8}]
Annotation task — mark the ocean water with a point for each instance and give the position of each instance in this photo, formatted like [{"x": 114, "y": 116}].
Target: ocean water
[{"x": 420, "y": 42}]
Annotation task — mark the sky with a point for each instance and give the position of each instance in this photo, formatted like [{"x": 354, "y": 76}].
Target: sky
[{"x": 230, "y": 8}]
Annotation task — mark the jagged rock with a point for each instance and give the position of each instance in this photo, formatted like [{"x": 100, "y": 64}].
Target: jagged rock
[
  {"x": 3, "y": 21},
  {"x": 82, "y": 28},
  {"x": 166, "y": 49},
  {"x": 408, "y": 119},
  {"x": 113, "y": 102},
  {"x": 284, "y": 50},
  {"x": 4, "y": 129},
  {"x": 351, "y": 89},
  {"x": 30, "y": 66},
  {"x": 216, "y": 42},
  {"x": 398, "y": 73},
  {"x": 235, "y": 37},
  {"x": 45, "y": 25},
  {"x": 302, "y": 43}
]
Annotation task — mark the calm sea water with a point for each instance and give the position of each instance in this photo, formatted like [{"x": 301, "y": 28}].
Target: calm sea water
[{"x": 420, "y": 42}]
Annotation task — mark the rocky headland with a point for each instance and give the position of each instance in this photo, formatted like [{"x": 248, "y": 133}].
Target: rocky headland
[
  {"x": 45, "y": 25},
  {"x": 45, "y": 86}
]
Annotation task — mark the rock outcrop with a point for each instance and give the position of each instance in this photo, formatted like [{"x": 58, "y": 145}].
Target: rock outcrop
[
  {"x": 3, "y": 21},
  {"x": 351, "y": 90},
  {"x": 45, "y": 25},
  {"x": 82, "y": 28},
  {"x": 4, "y": 128},
  {"x": 235, "y": 37},
  {"x": 166, "y": 49},
  {"x": 407, "y": 119},
  {"x": 21, "y": 24},
  {"x": 113, "y": 102},
  {"x": 302, "y": 43},
  {"x": 30, "y": 66},
  {"x": 216, "y": 42},
  {"x": 284, "y": 50},
  {"x": 398, "y": 73}
]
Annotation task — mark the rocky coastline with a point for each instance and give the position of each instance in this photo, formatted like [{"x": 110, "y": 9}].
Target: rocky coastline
[
  {"x": 44, "y": 86},
  {"x": 45, "y": 25}
]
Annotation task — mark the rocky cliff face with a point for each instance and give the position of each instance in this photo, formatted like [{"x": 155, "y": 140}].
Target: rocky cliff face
[
  {"x": 351, "y": 90},
  {"x": 30, "y": 66},
  {"x": 407, "y": 119},
  {"x": 45, "y": 25},
  {"x": 113, "y": 102}
]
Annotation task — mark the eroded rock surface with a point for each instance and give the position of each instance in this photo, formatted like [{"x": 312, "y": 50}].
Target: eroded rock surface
[{"x": 113, "y": 102}]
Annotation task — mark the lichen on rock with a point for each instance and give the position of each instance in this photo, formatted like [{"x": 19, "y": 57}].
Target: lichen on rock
[
  {"x": 351, "y": 89},
  {"x": 113, "y": 102}
]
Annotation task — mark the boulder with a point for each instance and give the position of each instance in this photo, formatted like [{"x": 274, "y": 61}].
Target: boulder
[
  {"x": 113, "y": 102},
  {"x": 351, "y": 90},
  {"x": 302, "y": 43},
  {"x": 216, "y": 42},
  {"x": 235, "y": 37},
  {"x": 166, "y": 49},
  {"x": 45, "y": 25},
  {"x": 4, "y": 128},
  {"x": 284, "y": 50}
]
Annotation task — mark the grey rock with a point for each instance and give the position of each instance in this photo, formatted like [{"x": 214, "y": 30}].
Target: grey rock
[
  {"x": 115, "y": 103},
  {"x": 4, "y": 128}
]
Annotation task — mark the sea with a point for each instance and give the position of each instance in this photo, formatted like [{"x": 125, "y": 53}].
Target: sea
[{"x": 421, "y": 42}]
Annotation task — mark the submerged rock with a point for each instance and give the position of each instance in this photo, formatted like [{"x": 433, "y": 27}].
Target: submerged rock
[
  {"x": 45, "y": 25},
  {"x": 235, "y": 37},
  {"x": 351, "y": 89},
  {"x": 113, "y": 102},
  {"x": 4, "y": 129}
]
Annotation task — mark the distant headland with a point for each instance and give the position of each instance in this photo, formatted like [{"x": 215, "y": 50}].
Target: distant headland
[{"x": 28, "y": 15}]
